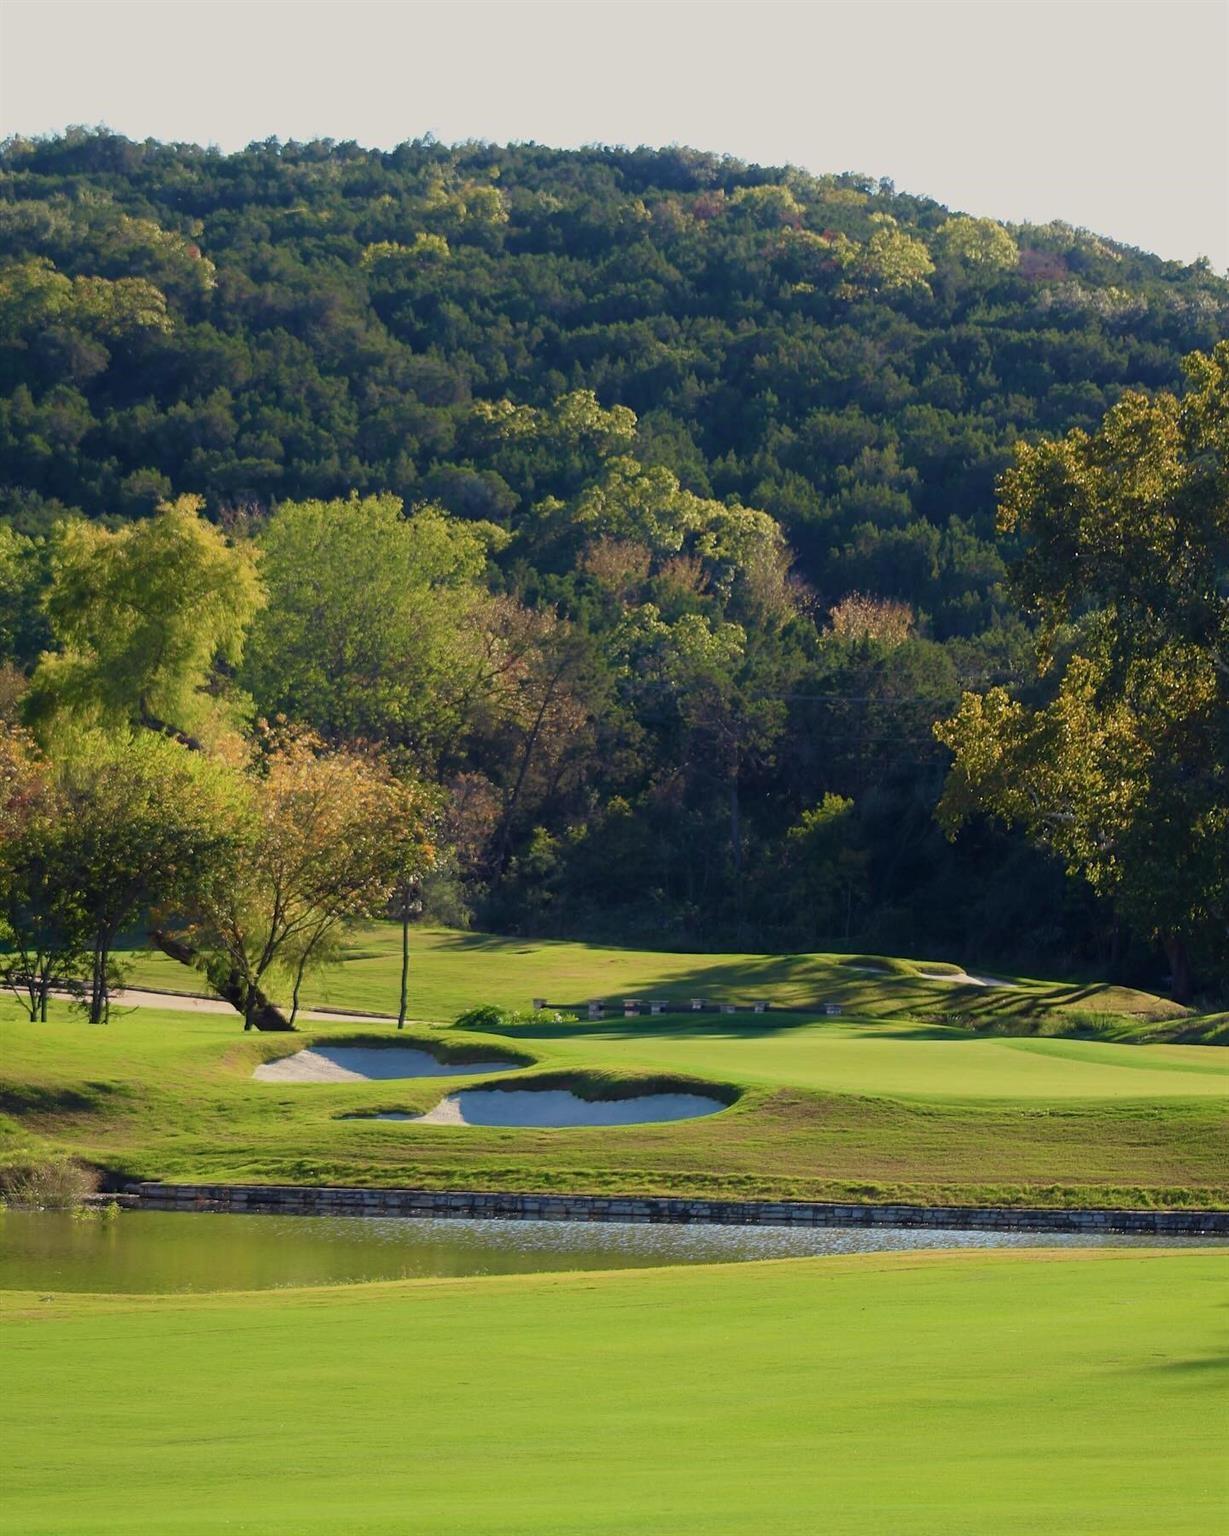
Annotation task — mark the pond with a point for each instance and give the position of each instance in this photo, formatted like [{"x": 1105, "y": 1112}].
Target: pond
[{"x": 164, "y": 1251}]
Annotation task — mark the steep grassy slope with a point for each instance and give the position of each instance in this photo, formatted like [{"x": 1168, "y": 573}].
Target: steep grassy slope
[{"x": 454, "y": 970}]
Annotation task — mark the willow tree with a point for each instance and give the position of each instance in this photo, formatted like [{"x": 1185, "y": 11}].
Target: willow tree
[
  {"x": 1124, "y": 770},
  {"x": 147, "y": 623}
]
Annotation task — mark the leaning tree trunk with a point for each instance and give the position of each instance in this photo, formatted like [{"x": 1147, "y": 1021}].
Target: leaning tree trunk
[{"x": 257, "y": 1011}]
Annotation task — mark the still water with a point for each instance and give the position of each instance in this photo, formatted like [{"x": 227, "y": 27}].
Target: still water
[{"x": 212, "y": 1251}]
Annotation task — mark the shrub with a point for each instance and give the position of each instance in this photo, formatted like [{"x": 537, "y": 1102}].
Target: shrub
[
  {"x": 490, "y": 1019},
  {"x": 55, "y": 1184}
]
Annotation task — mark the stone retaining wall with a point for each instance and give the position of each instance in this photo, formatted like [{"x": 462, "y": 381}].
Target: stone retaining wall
[{"x": 470, "y": 1204}]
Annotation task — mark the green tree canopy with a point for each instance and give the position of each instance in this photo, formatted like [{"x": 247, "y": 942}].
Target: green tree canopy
[
  {"x": 144, "y": 619},
  {"x": 137, "y": 821},
  {"x": 372, "y": 630},
  {"x": 1124, "y": 772}
]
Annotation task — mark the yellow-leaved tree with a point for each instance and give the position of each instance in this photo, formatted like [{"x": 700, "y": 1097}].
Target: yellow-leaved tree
[{"x": 148, "y": 623}]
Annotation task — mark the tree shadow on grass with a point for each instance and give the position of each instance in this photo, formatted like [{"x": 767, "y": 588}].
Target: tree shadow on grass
[
  {"x": 27, "y": 1099},
  {"x": 806, "y": 982},
  {"x": 498, "y": 943},
  {"x": 1210, "y": 1369},
  {"x": 713, "y": 1026}
]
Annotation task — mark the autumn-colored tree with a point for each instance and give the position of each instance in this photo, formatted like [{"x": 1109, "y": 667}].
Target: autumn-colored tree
[
  {"x": 863, "y": 617},
  {"x": 325, "y": 837}
]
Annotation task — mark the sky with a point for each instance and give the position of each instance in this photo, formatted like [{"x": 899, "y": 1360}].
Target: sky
[{"x": 1110, "y": 114}]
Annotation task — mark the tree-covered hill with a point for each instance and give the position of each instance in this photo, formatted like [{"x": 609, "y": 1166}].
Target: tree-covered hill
[
  {"x": 727, "y": 435},
  {"x": 308, "y": 320}
]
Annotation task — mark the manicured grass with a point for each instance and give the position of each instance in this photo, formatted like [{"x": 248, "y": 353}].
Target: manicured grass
[
  {"x": 937, "y": 1395},
  {"x": 452, "y": 971},
  {"x": 825, "y": 1109},
  {"x": 861, "y": 1057}
]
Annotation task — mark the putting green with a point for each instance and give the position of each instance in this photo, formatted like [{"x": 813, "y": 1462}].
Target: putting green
[
  {"x": 903, "y": 1061},
  {"x": 923, "y": 1396}
]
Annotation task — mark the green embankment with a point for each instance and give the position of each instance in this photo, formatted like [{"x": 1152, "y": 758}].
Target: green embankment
[
  {"x": 937, "y": 1395},
  {"x": 825, "y": 1108}
]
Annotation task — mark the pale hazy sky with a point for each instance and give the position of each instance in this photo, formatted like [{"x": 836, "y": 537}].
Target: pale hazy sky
[{"x": 1106, "y": 113}]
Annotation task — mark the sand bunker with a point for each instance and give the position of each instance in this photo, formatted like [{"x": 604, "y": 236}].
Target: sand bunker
[
  {"x": 365, "y": 1064},
  {"x": 559, "y": 1107},
  {"x": 967, "y": 979},
  {"x": 951, "y": 978}
]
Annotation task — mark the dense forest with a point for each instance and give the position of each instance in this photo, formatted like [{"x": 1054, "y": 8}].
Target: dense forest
[{"x": 642, "y": 500}]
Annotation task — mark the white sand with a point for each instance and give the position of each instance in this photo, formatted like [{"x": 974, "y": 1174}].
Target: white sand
[
  {"x": 365, "y": 1064},
  {"x": 966, "y": 979},
  {"x": 951, "y": 978},
  {"x": 559, "y": 1107}
]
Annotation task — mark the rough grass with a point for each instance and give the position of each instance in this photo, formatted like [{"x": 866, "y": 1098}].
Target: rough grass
[
  {"x": 835, "y": 1109},
  {"x": 48, "y": 1183},
  {"x": 923, "y": 1395}
]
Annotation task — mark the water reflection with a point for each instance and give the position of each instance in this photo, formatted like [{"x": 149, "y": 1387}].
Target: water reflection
[{"x": 207, "y": 1251}]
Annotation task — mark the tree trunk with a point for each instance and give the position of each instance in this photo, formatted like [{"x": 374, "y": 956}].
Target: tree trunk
[
  {"x": 294, "y": 996},
  {"x": 405, "y": 963},
  {"x": 98, "y": 986},
  {"x": 736, "y": 862},
  {"x": 264, "y": 1014},
  {"x": 1181, "y": 981}
]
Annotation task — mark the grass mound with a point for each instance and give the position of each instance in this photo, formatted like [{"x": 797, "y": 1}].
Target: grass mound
[{"x": 453, "y": 968}]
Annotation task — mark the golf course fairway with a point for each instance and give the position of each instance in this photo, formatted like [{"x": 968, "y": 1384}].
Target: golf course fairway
[{"x": 905, "y": 1394}]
